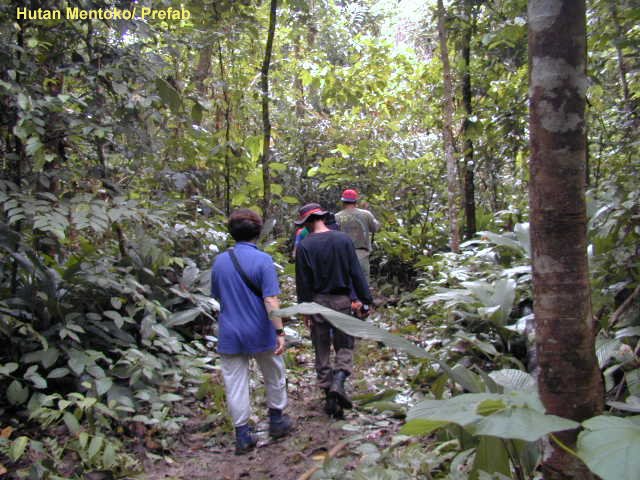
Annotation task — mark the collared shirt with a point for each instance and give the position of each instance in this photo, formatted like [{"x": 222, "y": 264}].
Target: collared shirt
[
  {"x": 244, "y": 325},
  {"x": 327, "y": 263},
  {"x": 359, "y": 224}
]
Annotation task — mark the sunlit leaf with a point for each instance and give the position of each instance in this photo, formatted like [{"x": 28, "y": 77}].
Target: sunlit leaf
[
  {"x": 522, "y": 423},
  {"x": 609, "y": 446},
  {"x": 183, "y": 317},
  {"x": 18, "y": 446}
]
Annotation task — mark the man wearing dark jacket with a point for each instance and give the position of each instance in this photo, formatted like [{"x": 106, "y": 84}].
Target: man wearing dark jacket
[{"x": 327, "y": 269}]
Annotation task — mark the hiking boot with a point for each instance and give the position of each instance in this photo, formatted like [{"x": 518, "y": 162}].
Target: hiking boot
[
  {"x": 329, "y": 402},
  {"x": 245, "y": 440},
  {"x": 337, "y": 389},
  {"x": 331, "y": 406},
  {"x": 279, "y": 424}
]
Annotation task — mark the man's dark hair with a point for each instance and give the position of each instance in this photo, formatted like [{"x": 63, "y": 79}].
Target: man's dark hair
[{"x": 244, "y": 225}]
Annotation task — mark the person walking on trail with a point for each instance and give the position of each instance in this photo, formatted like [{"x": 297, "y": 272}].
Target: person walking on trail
[
  {"x": 327, "y": 270},
  {"x": 359, "y": 224},
  {"x": 245, "y": 282}
]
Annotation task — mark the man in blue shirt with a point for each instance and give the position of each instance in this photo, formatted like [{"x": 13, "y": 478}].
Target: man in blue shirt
[{"x": 247, "y": 292}]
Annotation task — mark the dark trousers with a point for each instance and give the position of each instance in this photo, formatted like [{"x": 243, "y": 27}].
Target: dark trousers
[{"x": 324, "y": 336}]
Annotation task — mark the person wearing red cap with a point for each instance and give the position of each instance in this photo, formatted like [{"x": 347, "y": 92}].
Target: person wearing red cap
[
  {"x": 359, "y": 224},
  {"x": 327, "y": 271}
]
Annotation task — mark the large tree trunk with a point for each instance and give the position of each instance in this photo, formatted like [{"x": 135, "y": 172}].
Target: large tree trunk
[
  {"x": 266, "y": 122},
  {"x": 447, "y": 106},
  {"x": 569, "y": 379},
  {"x": 469, "y": 167}
]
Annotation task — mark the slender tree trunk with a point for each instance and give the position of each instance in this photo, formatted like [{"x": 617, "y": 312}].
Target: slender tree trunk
[
  {"x": 266, "y": 122},
  {"x": 569, "y": 380},
  {"x": 227, "y": 133},
  {"x": 447, "y": 106},
  {"x": 469, "y": 167},
  {"x": 19, "y": 155},
  {"x": 622, "y": 67},
  {"x": 203, "y": 70}
]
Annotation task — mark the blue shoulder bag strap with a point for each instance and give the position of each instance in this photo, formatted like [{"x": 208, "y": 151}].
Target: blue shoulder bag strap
[{"x": 252, "y": 286}]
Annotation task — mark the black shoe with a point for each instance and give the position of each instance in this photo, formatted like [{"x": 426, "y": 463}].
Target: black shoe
[
  {"x": 329, "y": 403},
  {"x": 337, "y": 389},
  {"x": 332, "y": 407},
  {"x": 279, "y": 424},
  {"x": 245, "y": 440}
]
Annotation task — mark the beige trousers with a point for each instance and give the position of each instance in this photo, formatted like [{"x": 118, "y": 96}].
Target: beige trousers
[{"x": 235, "y": 371}]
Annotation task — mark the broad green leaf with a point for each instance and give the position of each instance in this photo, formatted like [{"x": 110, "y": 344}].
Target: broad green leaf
[
  {"x": 169, "y": 95},
  {"x": 514, "y": 380},
  {"x": 95, "y": 445},
  {"x": 71, "y": 422},
  {"x": 17, "y": 393},
  {"x": 183, "y": 317},
  {"x": 116, "y": 302},
  {"x": 196, "y": 113},
  {"x": 491, "y": 457},
  {"x": 606, "y": 348},
  {"x": 46, "y": 357},
  {"x": 18, "y": 447},
  {"x": 489, "y": 407},
  {"x": 37, "y": 380},
  {"x": 387, "y": 395},
  {"x": 460, "y": 410},
  {"x": 59, "y": 372},
  {"x": 421, "y": 426},
  {"x": 523, "y": 233},
  {"x": 504, "y": 296},
  {"x": 503, "y": 240},
  {"x": 609, "y": 446},
  {"x": 77, "y": 361},
  {"x": 631, "y": 404},
  {"x": 522, "y": 423},
  {"x": 397, "y": 410},
  {"x": 276, "y": 189},
  {"x": 103, "y": 385},
  {"x": 115, "y": 316},
  {"x": 344, "y": 150},
  {"x": 465, "y": 377},
  {"x": 8, "y": 368},
  {"x": 355, "y": 327},
  {"x": 109, "y": 455},
  {"x": 170, "y": 397},
  {"x": 277, "y": 166},
  {"x": 83, "y": 439}
]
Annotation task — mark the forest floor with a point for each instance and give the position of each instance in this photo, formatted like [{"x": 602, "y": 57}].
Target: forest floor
[{"x": 206, "y": 451}]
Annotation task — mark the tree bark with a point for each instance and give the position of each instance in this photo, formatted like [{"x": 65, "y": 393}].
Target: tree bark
[
  {"x": 266, "y": 122},
  {"x": 469, "y": 166},
  {"x": 447, "y": 133},
  {"x": 569, "y": 379}
]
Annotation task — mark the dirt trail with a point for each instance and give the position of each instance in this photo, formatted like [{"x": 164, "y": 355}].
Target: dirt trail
[{"x": 200, "y": 453}]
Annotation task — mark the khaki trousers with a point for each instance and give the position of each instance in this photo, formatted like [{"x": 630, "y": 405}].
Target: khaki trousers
[
  {"x": 363, "y": 259},
  {"x": 324, "y": 336},
  {"x": 235, "y": 371}
]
